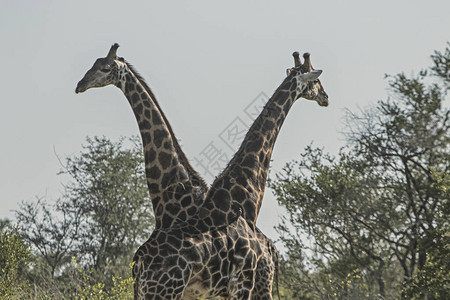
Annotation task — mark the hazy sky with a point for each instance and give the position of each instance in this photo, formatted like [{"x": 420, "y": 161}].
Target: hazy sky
[{"x": 206, "y": 61}]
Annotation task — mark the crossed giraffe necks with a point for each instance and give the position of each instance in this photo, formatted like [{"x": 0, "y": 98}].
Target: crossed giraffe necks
[
  {"x": 265, "y": 265},
  {"x": 243, "y": 180},
  {"x": 175, "y": 188}
]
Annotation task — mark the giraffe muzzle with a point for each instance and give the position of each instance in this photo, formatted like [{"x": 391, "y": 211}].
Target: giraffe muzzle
[
  {"x": 323, "y": 102},
  {"x": 81, "y": 87}
]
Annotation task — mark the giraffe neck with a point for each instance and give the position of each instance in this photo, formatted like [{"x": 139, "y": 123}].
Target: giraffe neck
[
  {"x": 176, "y": 190},
  {"x": 242, "y": 183}
]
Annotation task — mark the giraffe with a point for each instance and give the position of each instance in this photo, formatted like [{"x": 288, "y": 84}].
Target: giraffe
[
  {"x": 243, "y": 180},
  {"x": 176, "y": 189},
  {"x": 96, "y": 77}
]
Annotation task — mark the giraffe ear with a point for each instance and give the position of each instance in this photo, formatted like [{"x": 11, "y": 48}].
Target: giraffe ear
[{"x": 311, "y": 76}]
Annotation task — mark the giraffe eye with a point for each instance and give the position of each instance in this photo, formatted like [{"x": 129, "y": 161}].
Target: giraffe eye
[{"x": 106, "y": 69}]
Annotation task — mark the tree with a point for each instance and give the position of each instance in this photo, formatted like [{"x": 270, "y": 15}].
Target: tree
[
  {"x": 373, "y": 211},
  {"x": 110, "y": 188},
  {"x": 433, "y": 280},
  {"x": 53, "y": 232},
  {"x": 103, "y": 215}
]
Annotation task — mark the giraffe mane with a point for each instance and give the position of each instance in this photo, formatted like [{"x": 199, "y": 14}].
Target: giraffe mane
[{"x": 175, "y": 141}]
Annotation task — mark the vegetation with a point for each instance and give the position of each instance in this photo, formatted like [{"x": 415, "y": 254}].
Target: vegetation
[
  {"x": 103, "y": 215},
  {"x": 14, "y": 259},
  {"x": 373, "y": 222}
]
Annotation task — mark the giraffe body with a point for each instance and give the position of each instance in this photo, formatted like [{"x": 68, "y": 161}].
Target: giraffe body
[{"x": 188, "y": 263}]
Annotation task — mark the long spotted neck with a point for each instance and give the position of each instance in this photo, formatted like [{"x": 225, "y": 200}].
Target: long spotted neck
[
  {"x": 243, "y": 181},
  {"x": 176, "y": 190}
]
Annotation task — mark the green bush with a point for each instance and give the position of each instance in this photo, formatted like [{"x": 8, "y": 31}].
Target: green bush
[
  {"x": 89, "y": 289},
  {"x": 14, "y": 259}
]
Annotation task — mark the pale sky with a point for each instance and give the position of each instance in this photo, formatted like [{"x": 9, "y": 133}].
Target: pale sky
[{"x": 206, "y": 61}]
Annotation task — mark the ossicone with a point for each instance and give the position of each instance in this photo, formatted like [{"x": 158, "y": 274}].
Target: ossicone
[
  {"x": 307, "y": 64},
  {"x": 113, "y": 51},
  {"x": 297, "y": 61}
]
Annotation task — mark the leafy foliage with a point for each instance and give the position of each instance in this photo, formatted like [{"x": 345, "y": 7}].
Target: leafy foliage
[
  {"x": 89, "y": 289},
  {"x": 14, "y": 258},
  {"x": 375, "y": 209},
  {"x": 433, "y": 280},
  {"x": 104, "y": 214},
  {"x": 110, "y": 190}
]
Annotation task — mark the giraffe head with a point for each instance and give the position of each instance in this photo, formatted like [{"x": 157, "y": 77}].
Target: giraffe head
[
  {"x": 308, "y": 84},
  {"x": 104, "y": 72}
]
